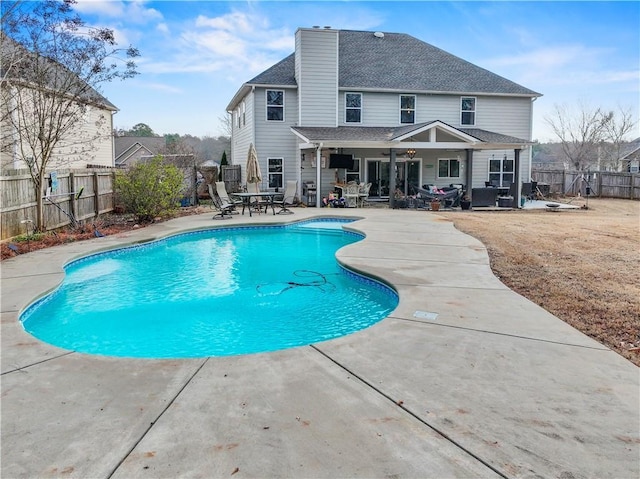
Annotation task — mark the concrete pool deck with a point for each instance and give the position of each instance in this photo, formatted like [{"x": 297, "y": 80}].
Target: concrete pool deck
[{"x": 464, "y": 379}]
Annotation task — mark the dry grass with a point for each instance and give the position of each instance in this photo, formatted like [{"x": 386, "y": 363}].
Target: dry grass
[{"x": 580, "y": 265}]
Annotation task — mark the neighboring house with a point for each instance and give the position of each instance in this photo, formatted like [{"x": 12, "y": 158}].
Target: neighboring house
[
  {"x": 393, "y": 103},
  {"x": 630, "y": 157},
  {"x": 130, "y": 149},
  {"x": 89, "y": 142}
]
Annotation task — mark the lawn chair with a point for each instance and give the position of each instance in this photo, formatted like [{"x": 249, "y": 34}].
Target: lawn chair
[
  {"x": 221, "y": 190},
  {"x": 288, "y": 197},
  {"x": 224, "y": 209}
]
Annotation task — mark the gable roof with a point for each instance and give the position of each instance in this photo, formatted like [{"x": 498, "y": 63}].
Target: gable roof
[
  {"x": 395, "y": 62},
  {"x": 19, "y": 65},
  {"x": 127, "y": 146},
  {"x": 364, "y": 134}
]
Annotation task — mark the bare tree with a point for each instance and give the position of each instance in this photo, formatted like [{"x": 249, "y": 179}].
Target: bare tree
[
  {"x": 591, "y": 137},
  {"x": 50, "y": 100},
  {"x": 617, "y": 133},
  {"x": 225, "y": 124},
  {"x": 580, "y": 132}
]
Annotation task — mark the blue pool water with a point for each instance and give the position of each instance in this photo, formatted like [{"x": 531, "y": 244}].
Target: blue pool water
[{"x": 212, "y": 293}]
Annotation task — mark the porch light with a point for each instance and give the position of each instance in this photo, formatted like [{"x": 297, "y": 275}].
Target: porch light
[{"x": 411, "y": 153}]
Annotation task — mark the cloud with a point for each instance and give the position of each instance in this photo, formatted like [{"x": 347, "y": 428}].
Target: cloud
[
  {"x": 163, "y": 87},
  {"x": 236, "y": 41},
  {"x": 131, "y": 11}
]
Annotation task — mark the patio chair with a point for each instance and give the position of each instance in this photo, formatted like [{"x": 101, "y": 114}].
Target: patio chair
[
  {"x": 351, "y": 195},
  {"x": 224, "y": 209},
  {"x": 221, "y": 190},
  {"x": 288, "y": 197},
  {"x": 527, "y": 191},
  {"x": 363, "y": 194}
]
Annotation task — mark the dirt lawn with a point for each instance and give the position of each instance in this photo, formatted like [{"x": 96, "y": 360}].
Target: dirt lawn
[{"x": 580, "y": 265}]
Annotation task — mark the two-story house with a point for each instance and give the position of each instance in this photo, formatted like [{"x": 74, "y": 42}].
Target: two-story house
[
  {"x": 41, "y": 98},
  {"x": 406, "y": 112}
]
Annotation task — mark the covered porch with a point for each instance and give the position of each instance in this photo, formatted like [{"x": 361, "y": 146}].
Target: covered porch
[{"x": 398, "y": 160}]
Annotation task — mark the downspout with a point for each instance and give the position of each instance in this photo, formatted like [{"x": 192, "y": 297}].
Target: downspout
[{"x": 318, "y": 174}]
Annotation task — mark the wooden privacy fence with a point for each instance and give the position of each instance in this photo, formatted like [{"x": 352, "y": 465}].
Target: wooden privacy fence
[
  {"x": 600, "y": 183},
  {"x": 18, "y": 203}
]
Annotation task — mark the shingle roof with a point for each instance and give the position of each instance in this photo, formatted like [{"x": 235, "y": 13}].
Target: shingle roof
[
  {"x": 152, "y": 143},
  {"x": 491, "y": 137},
  {"x": 282, "y": 73},
  {"x": 46, "y": 70},
  {"x": 398, "y": 61},
  {"x": 363, "y": 133}
]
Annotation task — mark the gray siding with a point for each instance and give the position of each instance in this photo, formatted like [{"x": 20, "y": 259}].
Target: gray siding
[
  {"x": 243, "y": 136},
  {"x": 274, "y": 138},
  {"x": 317, "y": 76}
]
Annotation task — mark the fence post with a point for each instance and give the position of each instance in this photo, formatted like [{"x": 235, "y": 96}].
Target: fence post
[
  {"x": 72, "y": 192},
  {"x": 96, "y": 195}
]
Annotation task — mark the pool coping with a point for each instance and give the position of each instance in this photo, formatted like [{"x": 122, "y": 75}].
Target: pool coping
[{"x": 465, "y": 378}]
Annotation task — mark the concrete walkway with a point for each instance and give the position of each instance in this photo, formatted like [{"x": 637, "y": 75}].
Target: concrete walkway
[{"x": 465, "y": 379}]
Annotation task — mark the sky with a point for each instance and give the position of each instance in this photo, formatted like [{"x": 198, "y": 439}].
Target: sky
[{"x": 195, "y": 55}]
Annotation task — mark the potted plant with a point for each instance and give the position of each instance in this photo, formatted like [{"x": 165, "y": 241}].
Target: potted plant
[
  {"x": 435, "y": 204},
  {"x": 465, "y": 203}
]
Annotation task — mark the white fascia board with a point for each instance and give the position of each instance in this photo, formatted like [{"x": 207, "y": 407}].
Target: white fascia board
[{"x": 435, "y": 92}]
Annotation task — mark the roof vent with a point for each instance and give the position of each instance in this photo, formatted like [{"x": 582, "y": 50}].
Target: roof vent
[
  {"x": 327, "y": 27},
  {"x": 378, "y": 35},
  {"x": 316, "y": 26}
]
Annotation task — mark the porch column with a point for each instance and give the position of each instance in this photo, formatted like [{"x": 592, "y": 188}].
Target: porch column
[
  {"x": 318, "y": 176},
  {"x": 469, "y": 175},
  {"x": 392, "y": 177},
  {"x": 516, "y": 174}
]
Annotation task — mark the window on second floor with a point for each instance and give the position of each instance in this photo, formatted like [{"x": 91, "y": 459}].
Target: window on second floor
[
  {"x": 407, "y": 108},
  {"x": 244, "y": 114},
  {"x": 353, "y": 108},
  {"x": 276, "y": 172},
  {"x": 275, "y": 105},
  {"x": 448, "y": 168},
  {"x": 468, "y": 111}
]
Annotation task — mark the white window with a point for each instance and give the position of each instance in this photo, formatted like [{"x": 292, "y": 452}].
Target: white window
[
  {"x": 275, "y": 105},
  {"x": 353, "y": 174},
  {"x": 467, "y": 111},
  {"x": 353, "y": 107},
  {"x": 244, "y": 114},
  {"x": 407, "y": 108},
  {"x": 448, "y": 168},
  {"x": 276, "y": 172},
  {"x": 501, "y": 170},
  {"x": 237, "y": 115}
]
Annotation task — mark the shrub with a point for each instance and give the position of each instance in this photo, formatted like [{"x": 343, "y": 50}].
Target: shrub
[{"x": 150, "y": 189}]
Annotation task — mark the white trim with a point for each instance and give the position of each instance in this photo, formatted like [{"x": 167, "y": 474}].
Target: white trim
[
  {"x": 474, "y": 111},
  {"x": 266, "y": 100},
  {"x": 281, "y": 158},
  {"x": 346, "y": 107},
  {"x": 400, "y": 109},
  {"x": 458, "y": 159}
]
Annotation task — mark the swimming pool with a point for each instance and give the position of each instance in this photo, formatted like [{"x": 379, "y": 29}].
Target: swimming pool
[{"x": 212, "y": 293}]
